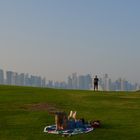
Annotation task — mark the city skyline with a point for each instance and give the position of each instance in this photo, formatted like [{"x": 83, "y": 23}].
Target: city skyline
[
  {"x": 21, "y": 79},
  {"x": 54, "y": 38},
  {"x": 73, "y": 81}
]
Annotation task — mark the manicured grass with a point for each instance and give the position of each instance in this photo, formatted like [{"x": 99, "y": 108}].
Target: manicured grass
[{"x": 119, "y": 113}]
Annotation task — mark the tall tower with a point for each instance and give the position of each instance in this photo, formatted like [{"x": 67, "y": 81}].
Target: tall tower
[
  {"x": 106, "y": 82},
  {"x": 1, "y": 76},
  {"x": 74, "y": 81},
  {"x": 69, "y": 82},
  {"x": 9, "y": 77}
]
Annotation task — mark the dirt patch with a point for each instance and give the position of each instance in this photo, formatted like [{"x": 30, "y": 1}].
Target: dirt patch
[{"x": 51, "y": 109}]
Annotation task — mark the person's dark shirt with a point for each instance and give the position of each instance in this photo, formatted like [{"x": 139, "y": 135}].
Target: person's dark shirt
[{"x": 96, "y": 80}]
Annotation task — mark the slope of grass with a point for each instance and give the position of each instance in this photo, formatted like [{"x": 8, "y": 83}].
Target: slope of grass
[{"x": 118, "y": 112}]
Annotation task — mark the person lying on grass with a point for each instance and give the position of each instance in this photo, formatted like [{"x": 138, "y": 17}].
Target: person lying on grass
[{"x": 64, "y": 122}]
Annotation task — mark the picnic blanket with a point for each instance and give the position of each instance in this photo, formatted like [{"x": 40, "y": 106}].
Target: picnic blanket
[{"x": 52, "y": 130}]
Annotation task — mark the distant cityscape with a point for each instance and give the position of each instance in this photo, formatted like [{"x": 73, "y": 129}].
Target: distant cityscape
[
  {"x": 85, "y": 82},
  {"x": 74, "y": 81},
  {"x": 22, "y": 79}
]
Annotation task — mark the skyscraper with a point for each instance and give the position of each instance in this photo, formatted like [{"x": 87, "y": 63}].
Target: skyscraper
[
  {"x": 74, "y": 81},
  {"x": 69, "y": 82},
  {"x": 44, "y": 82},
  {"x": 1, "y": 76},
  {"x": 88, "y": 81},
  {"x": 106, "y": 82},
  {"x": 21, "y": 78},
  {"x": 10, "y": 78},
  {"x": 81, "y": 82}
]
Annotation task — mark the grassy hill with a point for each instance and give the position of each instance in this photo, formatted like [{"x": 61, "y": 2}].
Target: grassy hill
[{"x": 24, "y": 112}]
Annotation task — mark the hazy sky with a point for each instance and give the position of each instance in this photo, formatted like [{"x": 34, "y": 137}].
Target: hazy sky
[{"x": 54, "y": 38}]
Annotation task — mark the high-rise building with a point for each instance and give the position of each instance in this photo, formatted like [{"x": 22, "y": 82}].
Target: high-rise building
[
  {"x": 21, "y": 79},
  {"x": 16, "y": 77},
  {"x": 118, "y": 84},
  {"x": 88, "y": 81},
  {"x": 69, "y": 82},
  {"x": 50, "y": 84},
  {"x": 1, "y": 76},
  {"x": 81, "y": 82},
  {"x": 74, "y": 81},
  {"x": 106, "y": 82},
  {"x": 110, "y": 84},
  {"x": 44, "y": 82},
  {"x": 10, "y": 78},
  {"x": 36, "y": 81},
  {"x": 27, "y": 80},
  {"x": 85, "y": 81}
]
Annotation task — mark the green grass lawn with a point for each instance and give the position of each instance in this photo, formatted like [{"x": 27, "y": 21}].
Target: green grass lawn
[{"x": 119, "y": 113}]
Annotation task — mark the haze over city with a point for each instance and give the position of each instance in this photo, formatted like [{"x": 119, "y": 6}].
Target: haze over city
[{"x": 54, "y": 38}]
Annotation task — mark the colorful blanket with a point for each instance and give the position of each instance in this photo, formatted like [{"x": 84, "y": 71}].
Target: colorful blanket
[{"x": 52, "y": 129}]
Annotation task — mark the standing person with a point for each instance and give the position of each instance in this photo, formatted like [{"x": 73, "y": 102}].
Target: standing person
[{"x": 96, "y": 80}]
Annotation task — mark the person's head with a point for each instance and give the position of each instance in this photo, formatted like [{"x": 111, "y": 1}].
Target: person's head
[
  {"x": 95, "y": 76},
  {"x": 59, "y": 118}
]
